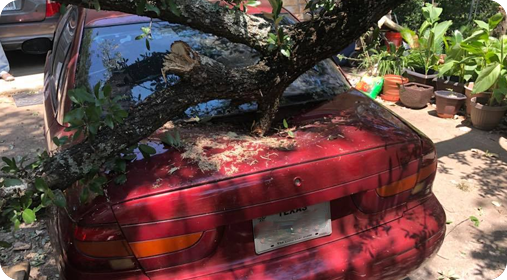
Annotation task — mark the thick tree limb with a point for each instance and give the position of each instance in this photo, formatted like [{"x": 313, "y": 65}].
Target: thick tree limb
[
  {"x": 202, "y": 15},
  {"x": 204, "y": 79}
]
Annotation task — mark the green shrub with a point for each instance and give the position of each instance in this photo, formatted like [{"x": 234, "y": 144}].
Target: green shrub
[{"x": 410, "y": 15}]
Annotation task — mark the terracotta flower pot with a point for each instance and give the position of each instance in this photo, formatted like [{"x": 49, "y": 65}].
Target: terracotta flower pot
[
  {"x": 486, "y": 117},
  {"x": 418, "y": 76},
  {"x": 448, "y": 103},
  {"x": 468, "y": 92},
  {"x": 393, "y": 37},
  {"x": 449, "y": 83},
  {"x": 415, "y": 95},
  {"x": 391, "y": 89}
]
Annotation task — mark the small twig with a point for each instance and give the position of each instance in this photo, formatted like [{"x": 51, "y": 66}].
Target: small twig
[
  {"x": 456, "y": 226},
  {"x": 442, "y": 257}
]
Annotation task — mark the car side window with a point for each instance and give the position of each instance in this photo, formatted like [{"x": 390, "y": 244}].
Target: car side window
[{"x": 62, "y": 44}]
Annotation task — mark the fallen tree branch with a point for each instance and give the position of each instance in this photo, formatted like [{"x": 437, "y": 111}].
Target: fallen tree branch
[{"x": 203, "y": 79}]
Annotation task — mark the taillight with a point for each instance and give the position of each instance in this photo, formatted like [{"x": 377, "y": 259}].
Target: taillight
[
  {"x": 428, "y": 169},
  {"x": 156, "y": 247},
  {"x": 52, "y": 8},
  {"x": 101, "y": 248},
  {"x": 416, "y": 182}
]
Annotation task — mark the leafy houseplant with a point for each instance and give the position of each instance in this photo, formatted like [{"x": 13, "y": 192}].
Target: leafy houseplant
[
  {"x": 467, "y": 57},
  {"x": 391, "y": 62},
  {"x": 427, "y": 45},
  {"x": 488, "y": 112}
]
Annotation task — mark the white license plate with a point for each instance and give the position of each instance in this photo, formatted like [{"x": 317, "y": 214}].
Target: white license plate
[
  {"x": 291, "y": 227},
  {"x": 12, "y": 6}
]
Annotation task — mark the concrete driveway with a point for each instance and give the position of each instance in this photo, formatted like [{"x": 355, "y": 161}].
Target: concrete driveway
[{"x": 27, "y": 69}]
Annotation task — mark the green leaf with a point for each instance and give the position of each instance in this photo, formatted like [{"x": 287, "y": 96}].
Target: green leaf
[
  {"x": 96, "y": 188},
  {"x": 285, "y": 52},
  {"x": 96, "y": 88},
  {"x": 477, "y": 35},
  {"x": 28, "y": 216},
  {"x": 81, "y": 95},
  {"x": 253, "y": 3},
  {"x": 121, "y": 179},
  {"x": 85, "y": 194},
  {"x": 40, "y": 185},
  {"x": 146, "y": 30},
  {"x": 495, "y": 20},
  {"x": 93, "y": 128},
  {"x": 107, "y": 89},
  {"x": 11, "y": 182},
  {"x": 285, "y": 124},
  {"x": 17, "y": 223},
  {"x": 173, "y": 8},
  {"x": 487, "y": 78},
  {"x": 141, "y": 6},
  {"x": 153, "y": 8},
  {"x": 109, "y": 121},
  {"x": 148, "y": 47},
  {"x": 140, "y": 36},
  {"x": 278, "y": 20},
  {"x": 481, "y": 24},
  {"x": 45, "y": 200},
  {"x": 120, "y": 165},
  {"x": 499, "y": 94},
  {"x": 409, "y": 36},
  {"x": 59, "y": 199},
  {"x": 74, "y": 115},
  {"x": 147, "y": 150},
  {"x": 447, "y": 67},
  {"x": 475, "y": 221},
  {"x": 425, "y": 25}
]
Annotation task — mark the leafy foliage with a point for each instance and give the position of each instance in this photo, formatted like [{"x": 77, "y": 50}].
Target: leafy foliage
[
  {"x": 428, "y": 44},
  {"x": 409, "y": 14}
]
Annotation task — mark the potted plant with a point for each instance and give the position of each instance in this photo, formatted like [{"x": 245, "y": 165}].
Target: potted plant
[
  {"x": 487, "y": 112},
  {"x": 448, "y": 102},
  {"x": 391, "y": 63},
  {"x": 415, "y": 95},
  {"x": 426, "y": 46},
  {"x": 467, "y": 57}
]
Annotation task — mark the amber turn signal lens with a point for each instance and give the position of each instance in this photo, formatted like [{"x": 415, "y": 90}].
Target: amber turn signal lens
[
  {"x": 398, "y": 186},
  {"x": 163, "y": 246}
]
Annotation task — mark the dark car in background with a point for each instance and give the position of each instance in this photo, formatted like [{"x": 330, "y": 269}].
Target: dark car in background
[
  {"x": 29, "y": 25},
  {"x": 350, "y": 197}
]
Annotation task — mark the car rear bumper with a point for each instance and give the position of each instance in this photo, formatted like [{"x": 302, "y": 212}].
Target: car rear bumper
[
  {"x": 389, "y": 251},
  {"x": 13, "y": 35}
]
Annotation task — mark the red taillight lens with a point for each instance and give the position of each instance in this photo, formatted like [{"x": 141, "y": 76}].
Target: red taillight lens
[
  {"x": 52, "y": 8},
  {"x": 102, "y": 247},
  {"x": 102, "y": 233}
]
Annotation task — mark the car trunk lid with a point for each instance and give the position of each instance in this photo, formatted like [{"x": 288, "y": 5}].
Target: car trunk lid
[{"x": 348, "y": 124}]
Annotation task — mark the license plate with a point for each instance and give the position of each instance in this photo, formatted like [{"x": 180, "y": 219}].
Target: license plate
[
  {"x": 291, "y": 227},
  {"x": 12, "y": 6}
]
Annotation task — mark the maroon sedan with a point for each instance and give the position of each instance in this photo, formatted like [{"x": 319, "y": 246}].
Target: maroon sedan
[{"x": 348, "y": 197}]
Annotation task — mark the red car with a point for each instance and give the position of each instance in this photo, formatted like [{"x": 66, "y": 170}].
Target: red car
[{"x": 349, "y": 197}]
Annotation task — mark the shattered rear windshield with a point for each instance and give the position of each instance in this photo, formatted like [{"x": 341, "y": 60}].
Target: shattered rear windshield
[{"x": 112, "y": 54}]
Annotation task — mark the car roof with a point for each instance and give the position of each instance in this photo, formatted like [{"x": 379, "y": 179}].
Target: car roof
[{"x": 95, "y": 18}]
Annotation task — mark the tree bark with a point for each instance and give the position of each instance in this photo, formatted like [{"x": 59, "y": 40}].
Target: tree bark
[{"x": 203, "y": 79}]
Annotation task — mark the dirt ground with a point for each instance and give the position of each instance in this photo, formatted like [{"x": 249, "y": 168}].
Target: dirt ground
[{"x": 471, "y": 181}]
